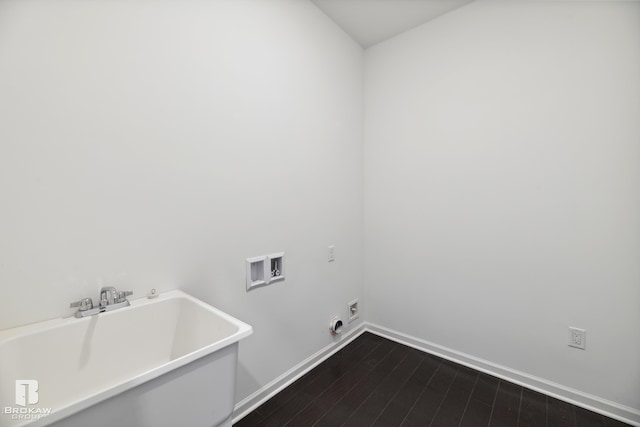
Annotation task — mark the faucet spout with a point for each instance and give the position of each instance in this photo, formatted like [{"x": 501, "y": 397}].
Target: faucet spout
[{"x": 108, "y": 295}]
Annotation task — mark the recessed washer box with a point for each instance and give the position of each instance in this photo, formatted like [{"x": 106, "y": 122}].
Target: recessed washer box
[{"x": 263, "y": 270}]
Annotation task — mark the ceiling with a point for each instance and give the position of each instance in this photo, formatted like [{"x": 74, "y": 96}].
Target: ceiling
[{"x": 371, "y": 21}]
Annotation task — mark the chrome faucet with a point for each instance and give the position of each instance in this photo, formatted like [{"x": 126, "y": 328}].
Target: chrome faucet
[
  {"x": 108, "y": 296},
  {"x": 110, "y": 299}
]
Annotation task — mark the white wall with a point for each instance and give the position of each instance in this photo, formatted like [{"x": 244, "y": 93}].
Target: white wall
[
  {"x": 502, "y": 188},
  {"x": 160, "y": 143}
]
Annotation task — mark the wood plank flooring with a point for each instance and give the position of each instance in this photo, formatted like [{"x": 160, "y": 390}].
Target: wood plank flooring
[{"x": 377, "y": 382}]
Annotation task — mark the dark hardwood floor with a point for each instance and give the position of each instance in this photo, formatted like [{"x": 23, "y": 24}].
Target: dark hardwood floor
[{"x": 377, "y": 382}]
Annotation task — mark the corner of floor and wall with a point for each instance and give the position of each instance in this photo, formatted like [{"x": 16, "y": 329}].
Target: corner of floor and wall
[
  {"x": 502, "y": 193},
  {"x": 478, "y": 176}
]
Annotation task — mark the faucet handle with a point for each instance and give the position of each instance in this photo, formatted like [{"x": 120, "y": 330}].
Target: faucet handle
[
  {"x": 83, "y": 305},
  {"x": 122, "y": 295}
]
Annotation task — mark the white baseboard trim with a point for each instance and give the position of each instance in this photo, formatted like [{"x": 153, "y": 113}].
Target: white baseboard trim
[
  {"x": 251, "y": 402},
  {"x": 588, "y": 401}
]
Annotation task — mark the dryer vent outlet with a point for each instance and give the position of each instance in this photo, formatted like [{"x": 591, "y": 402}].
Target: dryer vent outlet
[{"x": 335, "y": 326}]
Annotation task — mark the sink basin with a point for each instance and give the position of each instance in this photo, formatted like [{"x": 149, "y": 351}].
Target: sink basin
[{"x": 159, "y": 362}]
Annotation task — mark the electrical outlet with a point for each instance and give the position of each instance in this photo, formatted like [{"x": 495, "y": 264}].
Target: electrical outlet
[
  {"x": 331, "y": 253},
  {"x": 577, "y": 338},
  {"x": 352, "y": 308}
]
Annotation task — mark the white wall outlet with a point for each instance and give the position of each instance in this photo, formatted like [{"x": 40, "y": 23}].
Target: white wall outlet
[
  {"x": 353, "y": 310},
  {"x": 577, "y": 338},
  {"x": 331, "y": 253}
]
